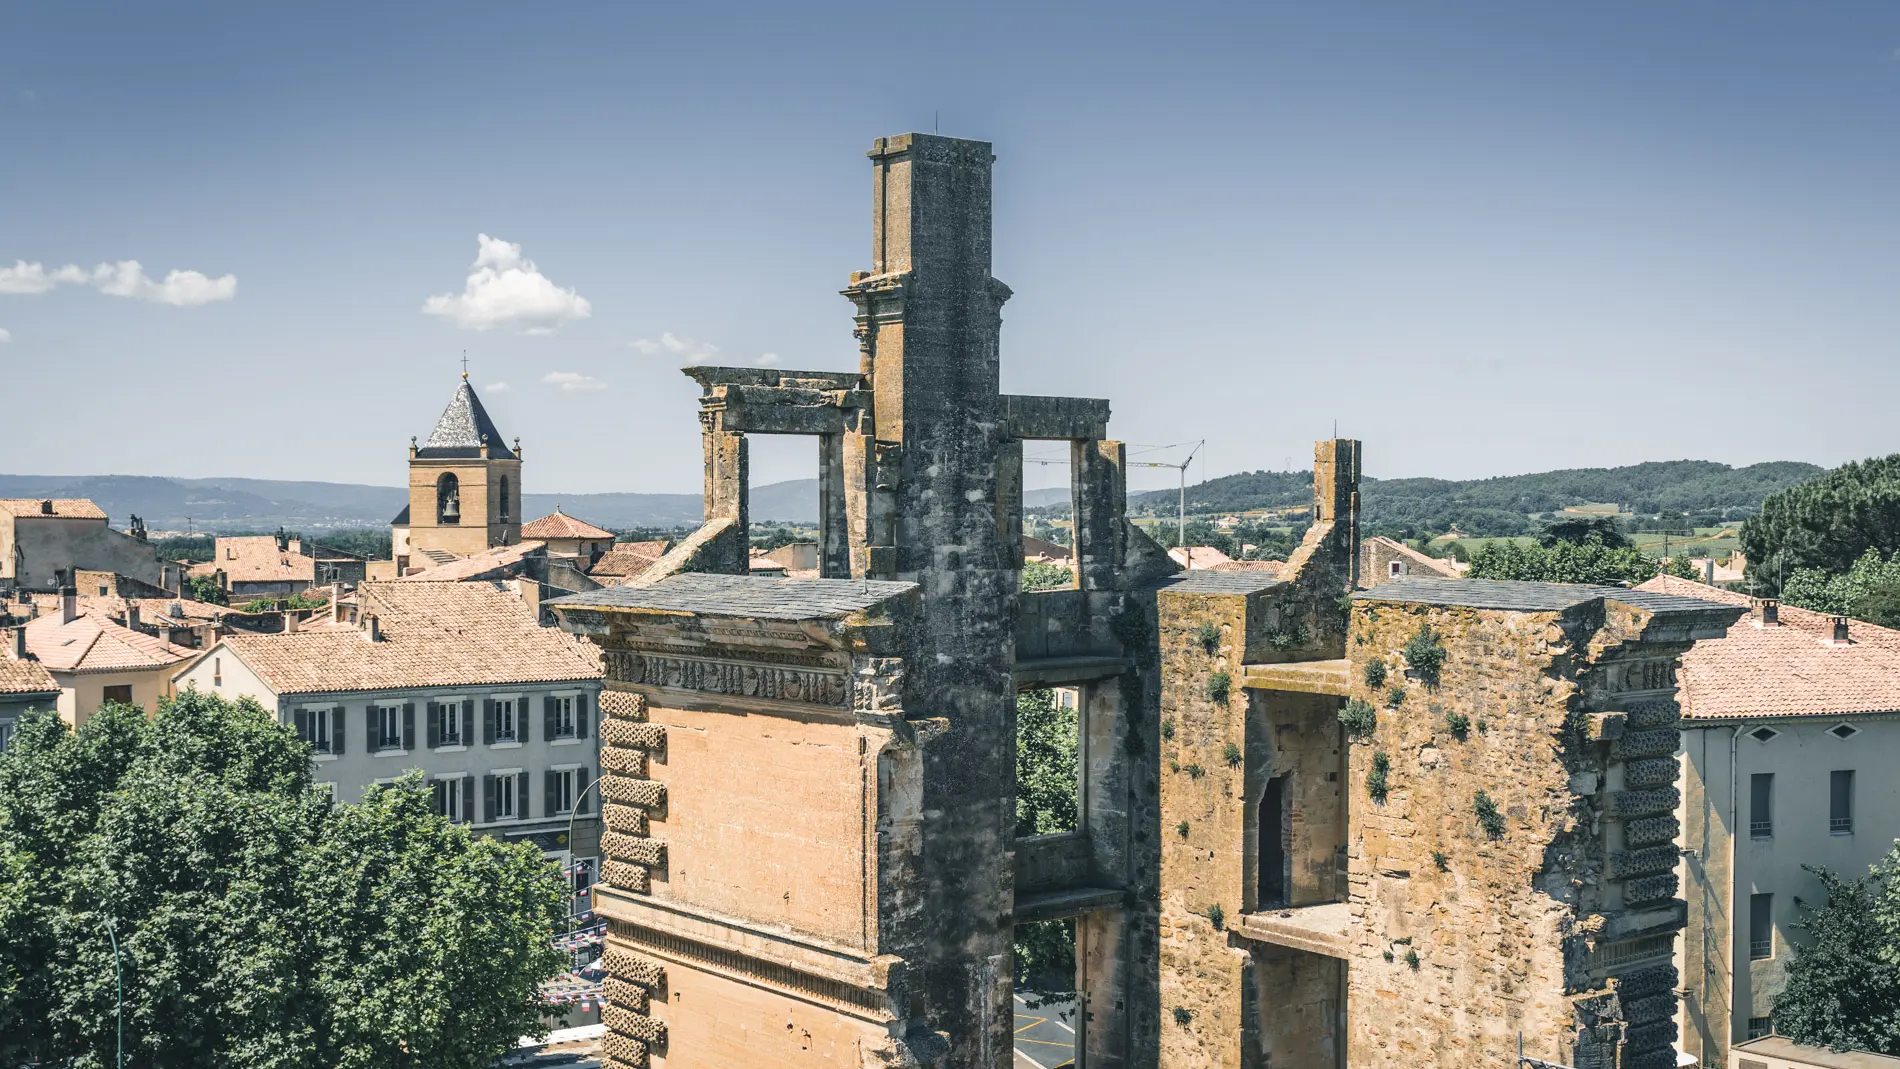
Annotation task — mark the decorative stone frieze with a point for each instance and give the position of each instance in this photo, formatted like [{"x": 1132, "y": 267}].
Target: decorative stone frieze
[{"x": 735, "y": 678}]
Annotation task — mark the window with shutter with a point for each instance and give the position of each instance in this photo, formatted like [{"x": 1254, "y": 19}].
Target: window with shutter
[
  {"x": 468, "y": 721},
  {"x": 408, "y": 725},
  {"x": 373, "y": 728},
  {"x": 468, "y": 800},
  {"x": 520, "y": 798},
  {"x": 551, "y": 793},
  {"x": 583, "y": 714},
  {"x": 547, "y": 717},
  {"x": 336, "y": 730},
  {"x": 434, "y": 714},
  {"x": 488, "y": 721},
  {"x": 490, "y": 787}
]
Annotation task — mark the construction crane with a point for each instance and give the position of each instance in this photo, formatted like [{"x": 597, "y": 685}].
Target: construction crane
[{"x": 1182, "y": 467}]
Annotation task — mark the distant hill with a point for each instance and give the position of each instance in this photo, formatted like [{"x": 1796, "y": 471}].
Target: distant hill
[
  {"x": 1502, "y": 505},
  {"x": 264, "y": 504}
]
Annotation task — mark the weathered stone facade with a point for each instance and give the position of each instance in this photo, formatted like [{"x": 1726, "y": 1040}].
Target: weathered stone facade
[{"x": 810, "y": 783}]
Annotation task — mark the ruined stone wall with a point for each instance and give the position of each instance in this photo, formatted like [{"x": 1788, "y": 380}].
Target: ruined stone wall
[
  {"x": 1300, "y": 1000},
  {"x": 1295, "y": 738}
]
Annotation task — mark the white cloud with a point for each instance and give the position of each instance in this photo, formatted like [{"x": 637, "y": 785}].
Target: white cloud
[
  {"x": 572, "y": 380},
  {"x": 498, "y": 387},
  {"x": 768, "y": 359},
  {"x": 5, "y": 335},
  {"x": 181, "y": 289},
  {"x": 688, "y": 349},
  {"x": 504, "y": 289}
]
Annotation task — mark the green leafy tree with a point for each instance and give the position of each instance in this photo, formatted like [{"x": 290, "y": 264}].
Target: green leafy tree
[
  {"x": 259, "y": 926},
  {"x": 1580, "y": 530},
  {"x": 1826, "y": 523},
  {"x": 1563, "y": 562},
  {"x": 1681, "y": 567},
  {"x": 1046, "y": 784},
  {"x": 1843, "y": 988},
  {"x": 1044, "y": 575},
  {"x": 1867, "y": 590},
  {"x": 205, "y": 588}
]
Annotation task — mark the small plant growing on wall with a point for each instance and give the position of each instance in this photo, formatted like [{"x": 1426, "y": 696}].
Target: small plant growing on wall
[
  {"x": 1182, "y": 828},
  {"x": 1215, "y": 916},
  {"x": 1425, "y": 654},
  {"x": 1183, "y": 1016},
  {"x": 1359, "y": 719},
  {"x": 1411, "y": 957},
  {"x": 1286, "y": 637},
  {"x": 1443, "y": 862},
  {"x": 1375, "y": 779},
  {"x": 1395, "y": 697},
  {"x": 1489, "y": 818},
  {"x": 1388, "y": 953},
  {"x": 1174, "y": 766},
  {"x": 1232, "y": 755},
  {"x": 1209, "y": 637},
  {"x": 1218, "y": 685},
  {"x": 1375, "y": 674},
  {"x": 1167, "y": 729},
  {"x": 1196, "y": 771},
  {"x": 1459, "y": 725}
]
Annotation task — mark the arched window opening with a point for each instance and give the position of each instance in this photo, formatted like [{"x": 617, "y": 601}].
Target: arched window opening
[
  {"x": 504, "y": 500},
  {"x": 448, "y": 499}
]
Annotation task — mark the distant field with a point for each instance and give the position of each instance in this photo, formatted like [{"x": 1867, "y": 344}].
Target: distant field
[
  {"x": 1716, "y": 542},
  {"x": 1600, "y": 509}
]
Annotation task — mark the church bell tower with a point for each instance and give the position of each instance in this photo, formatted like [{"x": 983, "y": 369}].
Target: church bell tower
[{"x": 464, "y": 485}]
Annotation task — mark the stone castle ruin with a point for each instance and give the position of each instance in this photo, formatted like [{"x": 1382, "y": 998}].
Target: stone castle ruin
[{"x": 809, "y": 788}]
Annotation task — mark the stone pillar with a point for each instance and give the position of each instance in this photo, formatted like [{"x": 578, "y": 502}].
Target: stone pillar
[
  {"x": 726, "y": 475},
  {"x": 1335, "y": 479},
  {"x": 1099, "y": 477},
  {"x": 834, "y": 521},
  {"x": 928, "y": 321}
]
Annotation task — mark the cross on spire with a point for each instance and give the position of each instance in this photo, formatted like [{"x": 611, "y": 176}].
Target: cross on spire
[{"x": 465, "y": 365}]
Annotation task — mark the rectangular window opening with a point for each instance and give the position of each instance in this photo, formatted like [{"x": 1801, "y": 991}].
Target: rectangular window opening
[
  {"x": 1046, "y": 1020},
  {"x": 389, "y": 727},
  {"x": 563, "y": 717},
  {"x": 1759, "y": 1027},
  {"x": 1761, "y": 926},
  {"x": 1840, "y": 805},
  {"x": 506, "y": 719},
  {"x": 1047, "y": 517},
  {"x": 1048, "y": 765},
  {"x": 1761, "y": 814}
]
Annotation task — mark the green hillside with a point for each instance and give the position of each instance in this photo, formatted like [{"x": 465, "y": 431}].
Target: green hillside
[{"x": 1503, "y": 506}]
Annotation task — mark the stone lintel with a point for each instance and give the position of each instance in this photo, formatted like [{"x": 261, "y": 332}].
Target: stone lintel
[
  {"x": 784, "y": 410},
  {"x": 709, "y": 377},
  {"x": 1068, "y": 418},
  {"x": 1067, "y": 902},
  {"x": 1318, "y": 929},
  {"x": 1068, "y": 671},
  {"x": 1663, "y": 917},
  {"x": 1302, "y": 677},
  {"x": 837, "y": 977}
]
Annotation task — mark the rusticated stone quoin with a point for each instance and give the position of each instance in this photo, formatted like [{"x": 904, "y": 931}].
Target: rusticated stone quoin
[{"x": 641, "y": 792}]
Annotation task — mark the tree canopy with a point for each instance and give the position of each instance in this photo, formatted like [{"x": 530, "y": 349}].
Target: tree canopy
[
  {"x": 1843, "y": 988},
  {"x": 258, "y": 924},
  {"x": 1827, "y": 523},
  {"x": 1567, "y": 562},
  {"x": 1868, "y": 590}
]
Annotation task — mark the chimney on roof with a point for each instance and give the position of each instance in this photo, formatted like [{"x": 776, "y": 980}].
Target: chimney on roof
[
  {"x": 529, "y": 592},
  {"x": 68, "y": 601},
  {"x": 165, "y": 634},
  {"x": 19, "y": 645},
  {"x": 1841, "y": 637},
  {"x": 283, "y": 541},
  {"x": 131, "y": 616},
  {"x": 1708, "y": 570},
  {"x": 291, "y": 617},
  {"x": 372, "y": 628},
  {"x": 1767, "y": 612},
  {"x": 46, "y": 508}
]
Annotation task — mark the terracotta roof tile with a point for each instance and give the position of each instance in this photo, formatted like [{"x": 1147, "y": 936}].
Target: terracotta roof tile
[
  {"x": 1268, "y": 567},
  {"x": 629, "y": 558},
  {"x": 25, "y": 677},
  {"x": 476, "y": 565},
  {"x": 1794, "y": 669},
  {"x": 92, "y": 643},
  {"x": 256, "y": 559},
  {"x": 560, "y": 525},
  {"x": 1448, "y": 569},
  {"x": 434, "y": 635},
  {"x": 65, "y": 508}
]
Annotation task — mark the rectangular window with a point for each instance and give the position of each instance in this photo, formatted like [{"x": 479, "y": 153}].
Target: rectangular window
[
  {"x": 448, "y": 798},
  {"x": 1759, "y": 1027},
  {"x": 217, "y": 671},
  {"x": 313, "y": 727},
  {"x": 6, "y": 734},
  {"x": 121, "y": 694},
  {"x": 504, "y": 797},
  {"x": 561, "y": 791},
  {"x": 389, "y": 721},
  {"x": 1761, "y": 797},
  {"x": 451, "y": 714},
  {"x": 563, "y": 717},
  {"x": 1840, "y": 802},
  {"x": 505, "y": 718},
  {"x": 1761, "y": 926}
]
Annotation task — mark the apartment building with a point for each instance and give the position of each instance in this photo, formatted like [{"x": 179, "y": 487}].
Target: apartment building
[
  {"x": 455, "y": 679},
  {"x": 1790, "y": 730}
]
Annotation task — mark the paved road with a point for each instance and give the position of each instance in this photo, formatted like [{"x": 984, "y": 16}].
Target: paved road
[{"x": 1045, "y": 1035}]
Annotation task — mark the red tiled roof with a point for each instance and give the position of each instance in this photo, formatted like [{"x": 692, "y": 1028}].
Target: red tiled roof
[
  {"x": 1794, "y": 669},
  {"x": 24, "y": 677},
  {"x": 1198, "y": 557},
  {"x": 256, "y": 559},
  {"x": 433, "y": 635},
  {"x": 1447, "y": 568},
  {"x": 476, "y": 565},
  {"x": 1269, "y": 567},
  {"x": 629, "y": 558},
  {"x": 64, "y": 508},
  {"x": 560, "y": 525},
  {"x": 92, "y": 643}
]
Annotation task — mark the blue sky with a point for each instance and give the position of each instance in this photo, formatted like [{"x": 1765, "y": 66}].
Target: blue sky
[{"x": 1486, "y": 238}]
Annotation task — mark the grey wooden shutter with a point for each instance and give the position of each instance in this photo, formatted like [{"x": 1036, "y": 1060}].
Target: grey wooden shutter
[
  {"x": 522, "y": 734},
  {"x": 300, "y": 718},
  {"x": 550, "y": 793},
  {"x": 581, "y": 782},
  {"x": 336, "y": 730},
  {"x": 488, "y": 799},
  {"x": 468, "y": 722},
  {"x": 371, "y": 722},
  {"x": 437, "y": 788},
  {"x": 547, "y": 717},
  {"x": 408, "y": 725},
  {"x": 434, "y": 713},
  {"x": 488, "y": 721},
  {"x": 468, "y": 799},
  {"x": 521, "y": 796},
  {"x": 581, "y": 714}
]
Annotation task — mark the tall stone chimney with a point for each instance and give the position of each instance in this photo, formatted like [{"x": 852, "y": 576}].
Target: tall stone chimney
[
  {"x": 18, "y": 646},
  {"x": 68, "y": 600}
]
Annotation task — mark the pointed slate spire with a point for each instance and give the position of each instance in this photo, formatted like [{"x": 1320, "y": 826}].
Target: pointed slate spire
[{"x": 463, "y": 428}]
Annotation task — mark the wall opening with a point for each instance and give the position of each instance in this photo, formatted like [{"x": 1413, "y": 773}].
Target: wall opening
[
  {"x": 1048, "y": 761},
  {"x": 448, "y": 499},
  {"x": 1272, "y": 831},
  {"x": 1048, "y": 517},
  {"x": 1045, "y": 996},
  {"x": 782, "y": 507}
]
